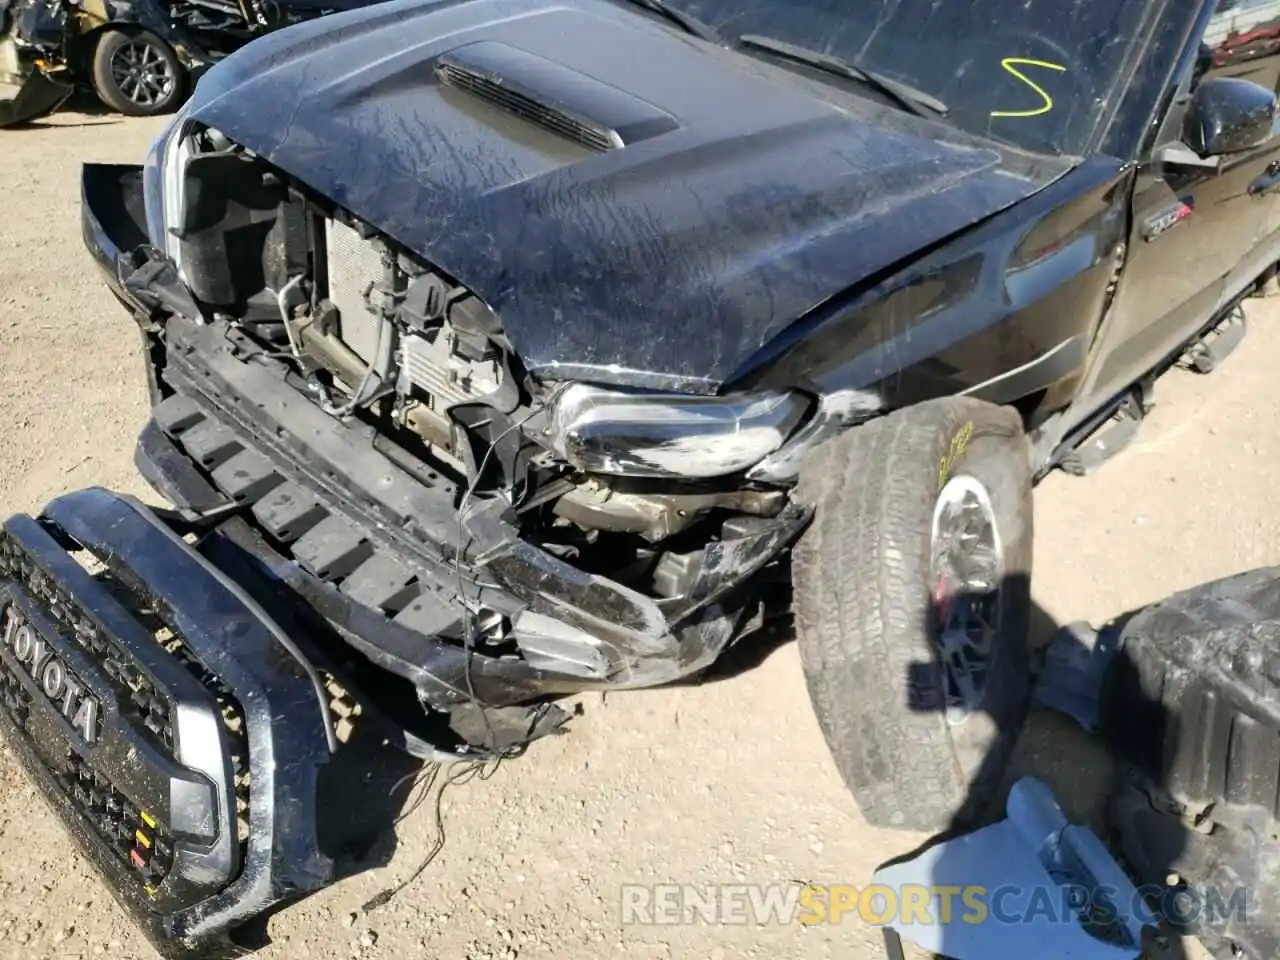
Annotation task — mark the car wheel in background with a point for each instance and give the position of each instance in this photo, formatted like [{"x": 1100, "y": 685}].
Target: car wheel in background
[{"x": 136, "y": 73}]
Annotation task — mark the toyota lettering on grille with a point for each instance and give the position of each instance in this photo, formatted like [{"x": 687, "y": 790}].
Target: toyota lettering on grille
[{"x": 53, "y": 678}]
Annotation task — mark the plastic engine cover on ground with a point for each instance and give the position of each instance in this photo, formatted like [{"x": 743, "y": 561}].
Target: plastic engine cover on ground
[{"x": 1028, "y": 871}]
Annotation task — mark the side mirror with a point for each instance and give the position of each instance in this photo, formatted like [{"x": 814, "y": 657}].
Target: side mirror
[{"x": 1228, "y": 115}]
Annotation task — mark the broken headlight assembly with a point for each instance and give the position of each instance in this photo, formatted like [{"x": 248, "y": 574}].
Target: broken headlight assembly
[
  {"x": 670, "y": 435},
  {"x": 162, "y": 172}
]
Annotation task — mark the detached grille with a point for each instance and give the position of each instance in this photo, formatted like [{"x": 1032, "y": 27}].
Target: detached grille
[
  {"x": 131, "y": 833},
  {"x": 136, "y": 695},
  {"x": 138, "y": 699},
  {"x": 526, "y": 107},
  {"x": 14, "y": 696},
  {"x": 151, "y": 639}
]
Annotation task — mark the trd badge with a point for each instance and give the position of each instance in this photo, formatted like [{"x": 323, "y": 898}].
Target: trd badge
[{"x": 1168, "y": 218}]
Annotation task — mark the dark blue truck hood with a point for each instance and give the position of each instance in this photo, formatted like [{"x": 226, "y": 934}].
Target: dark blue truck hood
[{"x": 741, "y": 199}]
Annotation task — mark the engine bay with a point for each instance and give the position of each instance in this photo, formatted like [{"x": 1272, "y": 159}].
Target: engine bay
[{"x": 375, "y": 335}]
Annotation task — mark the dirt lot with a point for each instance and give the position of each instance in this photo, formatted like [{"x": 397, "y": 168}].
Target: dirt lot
[{"x": 724, "y": 782}]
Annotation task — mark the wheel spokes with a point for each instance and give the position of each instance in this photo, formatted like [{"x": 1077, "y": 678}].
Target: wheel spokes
[
  {"x": 967, "y": 571},
  {"x": 142, "y": 73}
]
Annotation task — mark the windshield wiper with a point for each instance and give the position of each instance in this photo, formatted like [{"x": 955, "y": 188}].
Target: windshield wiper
[
  {"x": 910, "y": 99},
  {"x": 685, "y": 21}
]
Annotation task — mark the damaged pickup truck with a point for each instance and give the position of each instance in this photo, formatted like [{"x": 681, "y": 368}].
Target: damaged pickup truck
[
  {"x": 503, "y": 349},
  {"x": 140, "y": 57}
]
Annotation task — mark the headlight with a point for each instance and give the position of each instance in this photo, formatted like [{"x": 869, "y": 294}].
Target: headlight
[
  {"x": 162, "y": 182},
  {"x": 666, "y": 435}
]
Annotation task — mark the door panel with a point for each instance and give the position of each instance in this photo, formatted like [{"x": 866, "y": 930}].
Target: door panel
[
  {"x": 1244, "y": 36},
  {"x": 1269, "y": 198},
  {"x": 1197, "y": 239}
]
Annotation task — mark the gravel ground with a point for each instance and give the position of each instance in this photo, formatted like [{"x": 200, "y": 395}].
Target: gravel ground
[{"x": 729, "y": 781}]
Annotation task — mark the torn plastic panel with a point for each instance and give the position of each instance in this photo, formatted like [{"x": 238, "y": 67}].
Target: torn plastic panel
[
  {"x": 446, "y": 675},
  {"x": 424, "y": 561},
  {"x": 40, "y": 95},
  {"x": 31, "y": 37},
  {"x": 1184, "y": 693},
  {"x": 625, "y": 638},
  {"x": 1190, "y": 706},
  {"x": 1034, "y": 856}
]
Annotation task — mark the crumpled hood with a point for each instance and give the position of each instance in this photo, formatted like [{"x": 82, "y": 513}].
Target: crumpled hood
[{"x": 739, "y": 201}]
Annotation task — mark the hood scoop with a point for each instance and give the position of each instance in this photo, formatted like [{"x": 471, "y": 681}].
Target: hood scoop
[{"x": 574, "y": 106}]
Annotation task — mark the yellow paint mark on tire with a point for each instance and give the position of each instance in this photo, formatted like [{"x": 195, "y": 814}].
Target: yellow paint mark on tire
[
  {"x": 955, "y": 451},
  {"x": 1011, "y": 64}
]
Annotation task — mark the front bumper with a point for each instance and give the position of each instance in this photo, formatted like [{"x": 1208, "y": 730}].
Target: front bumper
[
  {"x": 163, "y": 719},
  {"x": 382, "y": 553}
]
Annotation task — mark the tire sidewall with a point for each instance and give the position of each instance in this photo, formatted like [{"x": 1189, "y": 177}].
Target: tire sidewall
[{"x": 875, "y": 671}]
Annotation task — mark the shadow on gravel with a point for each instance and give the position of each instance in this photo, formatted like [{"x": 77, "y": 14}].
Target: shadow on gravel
[
  {"x": 776, "y": 630},
  {"x": 82, "y": 101},
  {"x": 750, "y": 652}
]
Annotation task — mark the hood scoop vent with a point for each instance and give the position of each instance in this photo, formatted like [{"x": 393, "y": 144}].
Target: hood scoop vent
[{"x": 570, "y": 104}]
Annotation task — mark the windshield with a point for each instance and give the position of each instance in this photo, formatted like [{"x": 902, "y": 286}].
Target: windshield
[{"x": 1032, "y": 73}]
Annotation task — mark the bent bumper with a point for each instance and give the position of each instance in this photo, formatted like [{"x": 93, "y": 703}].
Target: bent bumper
[
  {"x": 113, "y": 221},
  {"x": 162, "y": 718},
  {"x": 382, "y": 553}
]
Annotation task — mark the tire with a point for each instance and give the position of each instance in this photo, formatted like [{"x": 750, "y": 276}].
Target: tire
[
  {"x": 119, "y": 53},
  {"x": 866, "y": 618}
]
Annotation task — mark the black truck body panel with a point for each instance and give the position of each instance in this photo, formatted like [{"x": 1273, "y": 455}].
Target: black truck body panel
[
  {"x": 658, "y": 234},
  {"x": 906, "y": 260},
  {"x": 682, "y": 219}
]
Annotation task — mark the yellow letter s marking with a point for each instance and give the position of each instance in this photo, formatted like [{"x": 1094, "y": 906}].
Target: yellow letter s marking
[{"x": 1009, "y": 63}]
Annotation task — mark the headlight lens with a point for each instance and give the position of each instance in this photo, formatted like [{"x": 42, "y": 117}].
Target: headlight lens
[
  {"x": 162, "y": 182},
  {"x": 670, "y": 435}
]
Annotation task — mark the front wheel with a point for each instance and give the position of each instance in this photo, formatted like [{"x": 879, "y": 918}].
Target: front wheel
[
  {"x": 912, "y": 607},
  {"x": 137, "y": 74}
]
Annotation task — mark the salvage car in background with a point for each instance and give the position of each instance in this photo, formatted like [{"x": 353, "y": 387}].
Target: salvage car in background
[
  {"x": 139, "y": 56},
  {"x": 504, "y": 349}
]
